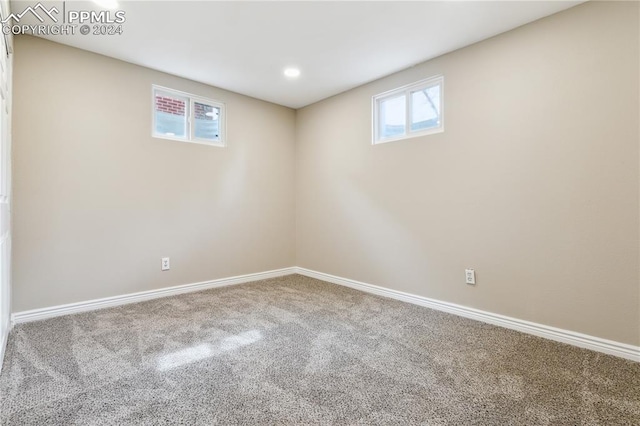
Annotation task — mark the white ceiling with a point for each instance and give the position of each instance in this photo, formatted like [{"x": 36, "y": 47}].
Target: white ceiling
[{"x": 244, "y": 46}]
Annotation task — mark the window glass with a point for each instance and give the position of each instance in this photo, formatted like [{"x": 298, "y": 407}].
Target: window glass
[
  {"x": 425, "y": 108},
  {"x": 170, "y": 115},
  {"x": 207, "y": 120},
  {"x": 392, "y": 116}
]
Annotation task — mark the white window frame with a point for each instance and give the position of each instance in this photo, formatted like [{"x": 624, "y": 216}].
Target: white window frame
[
  {"x": 190, "y": 111},
  {"x": 406, "y": 91}
]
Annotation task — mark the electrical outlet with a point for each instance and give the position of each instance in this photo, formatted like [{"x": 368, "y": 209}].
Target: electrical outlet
[
  {"x": 470, "y": 275},
  {"x": 165, "y": 264}
]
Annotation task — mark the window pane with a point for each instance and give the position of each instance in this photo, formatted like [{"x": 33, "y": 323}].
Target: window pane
[
  {"x": 171, "y": 115},
  {"x": 425, "y": 108},
  {"x": 207, "y": 121},
  {"x": 392, "y": 117}
]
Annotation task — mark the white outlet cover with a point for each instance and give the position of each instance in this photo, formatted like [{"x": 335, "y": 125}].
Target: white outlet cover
[
  {"x": 470, "y": 276},
  {"x": 166, "y": 264}
]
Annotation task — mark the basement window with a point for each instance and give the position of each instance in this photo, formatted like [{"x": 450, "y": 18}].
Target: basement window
[
  {"x": 408, "y": 111},
  {"x": 189, "y": 118}
]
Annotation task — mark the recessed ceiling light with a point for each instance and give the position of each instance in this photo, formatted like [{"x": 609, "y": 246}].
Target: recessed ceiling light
[
  {"x": 292, "y": 72},
  {"x": 107, "y": 4}
]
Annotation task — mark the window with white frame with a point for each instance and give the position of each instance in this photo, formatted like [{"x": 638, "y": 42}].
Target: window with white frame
[
  {"x": 185, "y": 117},
  {"x": 408, "y": 111}
]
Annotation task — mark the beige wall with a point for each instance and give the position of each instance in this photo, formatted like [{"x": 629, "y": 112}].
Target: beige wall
[
  {"x": 98, "y": 201},
  {"x": 534, "y": 182}
]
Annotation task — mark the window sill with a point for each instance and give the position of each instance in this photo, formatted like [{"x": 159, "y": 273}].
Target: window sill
[{"x": 410, "y": 136}]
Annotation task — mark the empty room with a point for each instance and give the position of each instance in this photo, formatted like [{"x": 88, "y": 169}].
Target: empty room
[{"x": 319, "y": 213}]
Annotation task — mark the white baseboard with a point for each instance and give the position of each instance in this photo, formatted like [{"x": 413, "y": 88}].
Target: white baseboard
[
  {"x": 107, "y": 302},
  {"x": 610, "y": 347}
]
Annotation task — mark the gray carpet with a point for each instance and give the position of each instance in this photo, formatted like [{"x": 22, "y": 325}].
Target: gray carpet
[{"x": 294, "y": 350}]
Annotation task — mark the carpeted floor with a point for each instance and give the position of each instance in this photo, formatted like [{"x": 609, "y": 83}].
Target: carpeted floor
[{"x": 294, "y": 350}]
